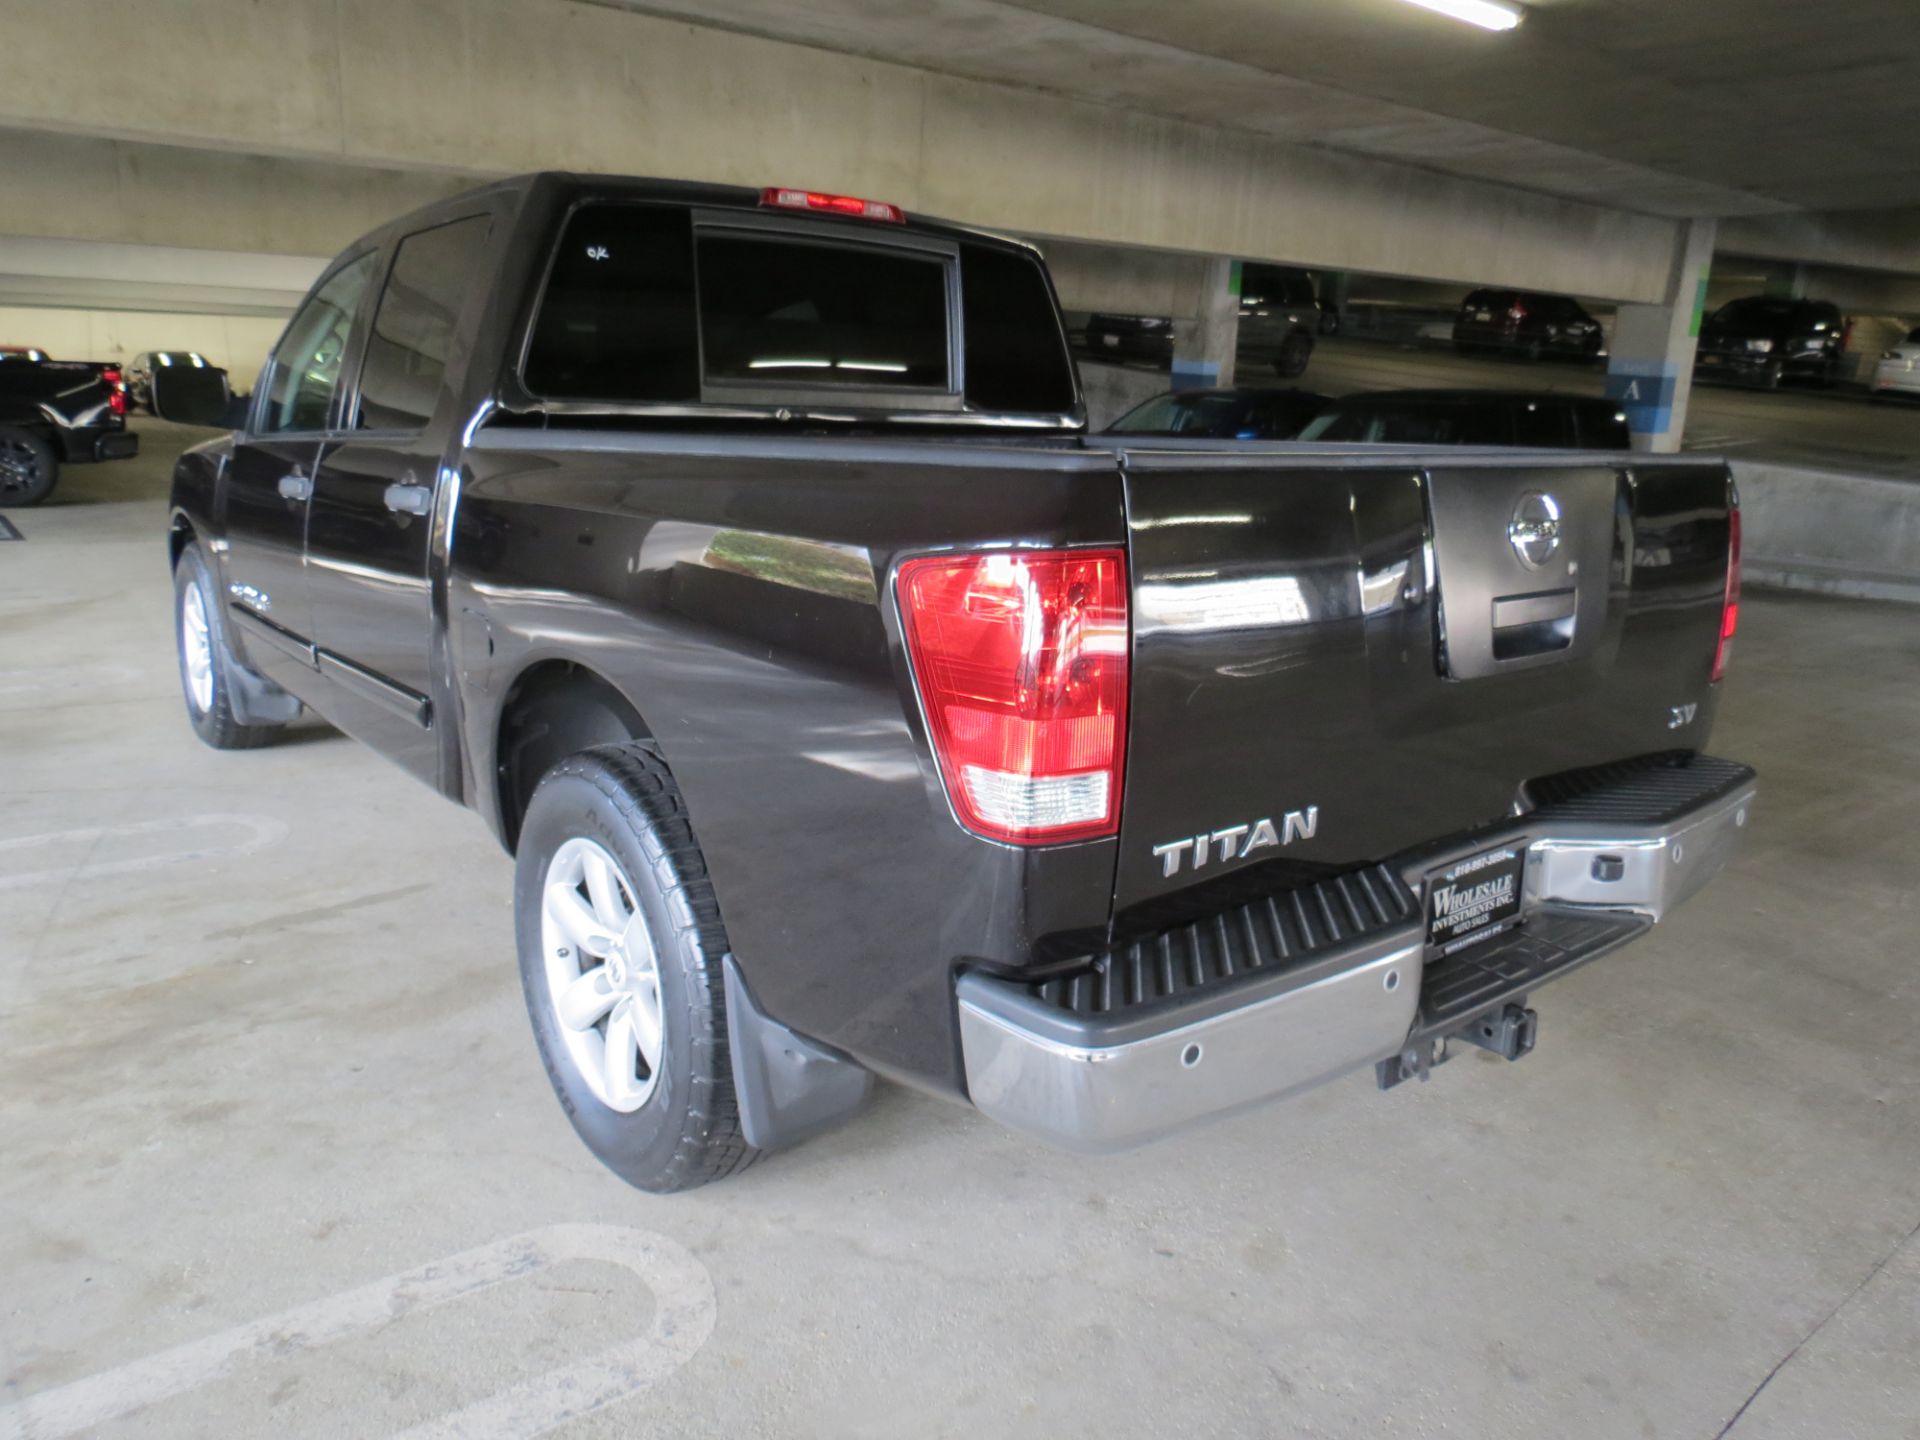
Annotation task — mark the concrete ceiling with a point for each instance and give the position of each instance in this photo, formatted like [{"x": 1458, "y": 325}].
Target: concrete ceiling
[{"x": 1672, "y": 107}]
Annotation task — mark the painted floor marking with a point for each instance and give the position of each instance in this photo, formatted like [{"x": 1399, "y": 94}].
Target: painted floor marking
[
  {"x": 684, "y": 1312},
  {"x": 261, "y": 831}
]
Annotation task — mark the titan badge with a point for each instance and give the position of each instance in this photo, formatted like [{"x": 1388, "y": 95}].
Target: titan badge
[{"x": 1237, "y": 842}]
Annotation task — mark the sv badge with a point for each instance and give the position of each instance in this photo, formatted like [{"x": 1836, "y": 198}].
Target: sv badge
[
  {"x": 1682, "y": 715},
  {"x": 1237, "y": 842}
]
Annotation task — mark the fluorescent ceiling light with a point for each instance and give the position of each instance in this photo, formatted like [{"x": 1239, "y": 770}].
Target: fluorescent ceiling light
[{"x": 1485, "y": 13}]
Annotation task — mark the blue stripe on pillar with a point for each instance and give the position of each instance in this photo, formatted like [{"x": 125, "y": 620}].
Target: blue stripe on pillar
[
  {"x": 1645, "y": 390},
  {"x": 1195, "y": 374}
]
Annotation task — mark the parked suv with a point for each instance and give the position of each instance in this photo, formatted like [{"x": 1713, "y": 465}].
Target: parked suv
[
  {"x": 140, "y": 372},
  {"x": 1473, "y": 417},
  {"x": 1763, "y": 340},
  {"x": 1523, "y": 323},
  {"x": 1279, "y": 317}
]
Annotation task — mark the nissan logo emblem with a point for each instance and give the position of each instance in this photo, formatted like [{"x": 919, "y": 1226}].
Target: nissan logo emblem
[{"x": 1534, "y": 531}]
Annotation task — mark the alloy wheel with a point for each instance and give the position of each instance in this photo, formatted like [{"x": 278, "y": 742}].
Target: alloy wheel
[{"x": 602, "y": 974}]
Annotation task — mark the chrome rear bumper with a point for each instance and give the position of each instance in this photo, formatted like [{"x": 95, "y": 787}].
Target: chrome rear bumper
[{"x": 1109, "y": 1081}]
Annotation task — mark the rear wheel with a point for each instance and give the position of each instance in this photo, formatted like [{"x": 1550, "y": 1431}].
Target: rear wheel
[
  {"x": 1295, "y": 351},
  {"x": 207, "y": 666},
  {"x": 28, "y": 468},
  {"x": 620, "y": 946}
]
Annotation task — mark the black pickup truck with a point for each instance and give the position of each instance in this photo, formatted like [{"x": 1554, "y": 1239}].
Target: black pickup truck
[
  {"x": 54, "y": 413},
  {"x": 742, "y": 558}
]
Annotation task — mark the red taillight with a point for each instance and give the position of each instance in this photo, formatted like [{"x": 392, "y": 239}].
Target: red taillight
[
  {"x": 1518, "y": 312},
  {"x": 832, "y": 204},
  {"x": 117, "y": 396},
  {"x": 1730, "y": 603},
  {"x": 1021, "y": 662}
]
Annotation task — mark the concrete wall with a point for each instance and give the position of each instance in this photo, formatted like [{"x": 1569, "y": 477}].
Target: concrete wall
[
  {"x": 1862, "y": 239},
  {"x": 1124, "y": 281},
  {"x": 236, "y": 342},
  {"x": 480, "y": 87},
  {"x": 1856, "y": 535},
  {"x": 86, "y": 187}
]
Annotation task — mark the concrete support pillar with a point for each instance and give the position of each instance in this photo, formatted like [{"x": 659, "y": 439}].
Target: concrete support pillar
[
  {"x": 1336, "y": 289},
  {"x": 1203, "y": 347},
  {"x": 1650, "y": 372}
]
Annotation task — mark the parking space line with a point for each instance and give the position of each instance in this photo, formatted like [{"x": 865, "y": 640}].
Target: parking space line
[
  {"x": 685, "y": 1308},
  {"x": 262, "y": 831}
]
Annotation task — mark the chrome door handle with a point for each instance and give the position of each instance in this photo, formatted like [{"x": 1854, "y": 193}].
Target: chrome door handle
[
  {"x": 409, "y": 499},
  {"x": 295, "y": 486}
]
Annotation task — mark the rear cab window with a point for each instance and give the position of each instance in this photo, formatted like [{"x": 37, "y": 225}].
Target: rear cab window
[{"x": 649, "y": 303}]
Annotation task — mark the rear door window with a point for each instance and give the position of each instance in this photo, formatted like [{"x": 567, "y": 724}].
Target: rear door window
[
  {"x": 777, "y": 311},
  {"x": 414, "y": 325}
]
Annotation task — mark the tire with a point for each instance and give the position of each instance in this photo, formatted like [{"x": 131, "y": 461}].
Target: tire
[
  {"x": 206, "y": 662},
  {"x": 28, "y": 468},
  {"x": 1295, "y": 353},
  {"x": 678, "y": 1125}
]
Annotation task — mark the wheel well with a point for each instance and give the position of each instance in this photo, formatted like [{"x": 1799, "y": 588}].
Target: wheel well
[
  {"x": 555, "y": 709},
  {"x": 179, "y": 536}
]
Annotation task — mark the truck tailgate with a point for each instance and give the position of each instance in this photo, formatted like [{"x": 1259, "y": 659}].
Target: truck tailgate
[{"x": 1338, "y": 657}]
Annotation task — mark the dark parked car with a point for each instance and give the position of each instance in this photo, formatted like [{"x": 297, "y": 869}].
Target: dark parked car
[
  {"x": 1141, "y": 338},
  {"x": 1520, "y": 322},
  {"x": 140, "y": 372},
  {"x": 741, "y": 557},
  {"x": 54, "y": 413},
  {"x": 1763, "y": 341},
  {"x": 1280, "y": 315},
  {"x": 1243, "y": 414},
  {"x": 1473, "y": 417},
  {"x": 1287, "y": 287}
]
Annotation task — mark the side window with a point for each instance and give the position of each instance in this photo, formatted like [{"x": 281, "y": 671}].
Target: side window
[
  {"x": 306, "y": 365},
  {"x": 413, "y": 326},
  {"x": 1016, "y": 359}
]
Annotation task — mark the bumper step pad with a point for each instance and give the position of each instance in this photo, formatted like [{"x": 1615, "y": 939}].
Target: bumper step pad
[
  {"x": 1552, "y": 942},
  {"x": 1279, "y": 931}
]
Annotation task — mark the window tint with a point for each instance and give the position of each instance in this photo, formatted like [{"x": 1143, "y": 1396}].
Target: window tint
[
  {"x": 306, "y": 365},
  {"x": 413, "y": 326},
  {"x": 1415, "y": 424},
  {"x": 1543, "y": 422},
  {"x": 1279, "y": 417},
  {"x": 1602, "y": 427},
  {"x": 1016, "y": 358},
  {"x": 1180, "y": 415},
  {"x": 616, "y": 322},
  {"x": 776, "y": 311}
]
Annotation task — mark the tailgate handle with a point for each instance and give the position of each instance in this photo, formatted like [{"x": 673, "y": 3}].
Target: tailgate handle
[
  {"x": 1528, "y": 625},
  {"x": 1511, "y": 610}
]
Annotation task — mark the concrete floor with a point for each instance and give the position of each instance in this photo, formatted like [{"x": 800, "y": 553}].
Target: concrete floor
[{"x": 262, "y": 1051}]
